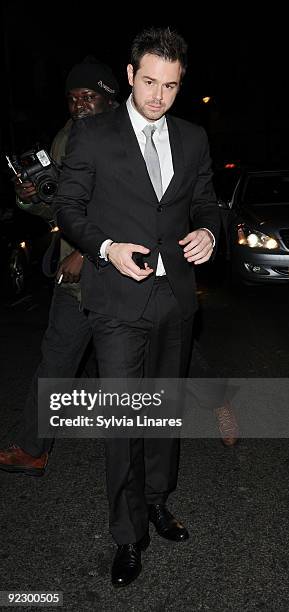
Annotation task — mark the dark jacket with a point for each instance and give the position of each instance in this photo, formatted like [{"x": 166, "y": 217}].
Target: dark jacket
[
  {"x": 59, "y": 247},
  {"x": 105, "y": 192}
]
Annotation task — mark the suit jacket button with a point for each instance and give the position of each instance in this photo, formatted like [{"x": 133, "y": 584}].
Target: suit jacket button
[
  {"x": 160, "y": 241},
  {"x": 159, "y": 208}
]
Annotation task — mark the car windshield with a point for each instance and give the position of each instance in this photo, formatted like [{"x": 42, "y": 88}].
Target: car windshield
[{"x": 266, "y": 190}]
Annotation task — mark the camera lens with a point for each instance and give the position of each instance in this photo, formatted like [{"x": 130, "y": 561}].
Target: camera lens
[{"x": 47, "y": 189}]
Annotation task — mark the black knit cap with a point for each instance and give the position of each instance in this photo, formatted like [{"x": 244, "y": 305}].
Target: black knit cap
[{"x": 92, "y": 74}]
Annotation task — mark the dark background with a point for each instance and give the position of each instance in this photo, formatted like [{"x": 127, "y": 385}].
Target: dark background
[
  {"x": 233, "y": 501},
  {"x": 237, "y": 58}
]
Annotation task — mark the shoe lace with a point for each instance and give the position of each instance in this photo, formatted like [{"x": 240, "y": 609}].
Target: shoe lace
[
  {"x": 162, "y": 514},
  {"x": 130, "y": 551}
]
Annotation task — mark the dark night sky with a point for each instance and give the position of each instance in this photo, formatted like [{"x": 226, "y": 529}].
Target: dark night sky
[{"x": 240, "y": 62}]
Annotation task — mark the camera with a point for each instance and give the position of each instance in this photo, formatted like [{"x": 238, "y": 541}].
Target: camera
[{"x": 40, "y": 169}]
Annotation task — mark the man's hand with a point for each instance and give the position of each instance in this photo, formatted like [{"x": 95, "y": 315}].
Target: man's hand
[
  {"x": 70, "y": 268},
  {"x": 198, "y": 246},
  {"x": 25, "y": 191},
  {"x": 120, "y": 255}
]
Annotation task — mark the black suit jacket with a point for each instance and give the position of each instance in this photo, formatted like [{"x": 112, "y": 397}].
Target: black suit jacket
[{"x": 105, "y": 192}]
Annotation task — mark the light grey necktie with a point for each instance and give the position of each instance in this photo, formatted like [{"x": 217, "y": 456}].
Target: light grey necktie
[{"x": 152, "y": 160}]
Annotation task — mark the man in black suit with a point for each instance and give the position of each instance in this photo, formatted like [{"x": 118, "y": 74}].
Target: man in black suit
[{"x": 136, "y": 181}]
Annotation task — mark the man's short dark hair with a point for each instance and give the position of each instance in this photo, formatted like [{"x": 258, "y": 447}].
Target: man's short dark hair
[{"x": 164, "y": 42}]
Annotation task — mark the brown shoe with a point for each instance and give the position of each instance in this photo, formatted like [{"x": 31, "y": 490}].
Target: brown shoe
[
  {"x": 227, "y": 423},
  {"x": 14, "y": 459}
]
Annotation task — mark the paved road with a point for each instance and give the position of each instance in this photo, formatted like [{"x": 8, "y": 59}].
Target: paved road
[{"x": 234, "y": 502}]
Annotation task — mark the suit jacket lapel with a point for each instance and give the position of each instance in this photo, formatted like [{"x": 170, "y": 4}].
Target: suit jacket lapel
[
  {"x": 135, "y": 167},
  {"x": 178, "y": 160}
]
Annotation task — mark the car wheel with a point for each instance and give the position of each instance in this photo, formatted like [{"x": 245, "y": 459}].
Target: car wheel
[{"x": 17, "y": 272}]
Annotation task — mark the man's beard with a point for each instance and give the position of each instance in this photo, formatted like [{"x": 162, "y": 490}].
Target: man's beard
[{"x": 146, "y": 111}]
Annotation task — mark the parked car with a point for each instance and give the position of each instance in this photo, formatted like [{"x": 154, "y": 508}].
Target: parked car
[
  {"x": 225, "y": 179},
  {"x": 256, "y": 222},
  {"x": 24, "y": 238}
]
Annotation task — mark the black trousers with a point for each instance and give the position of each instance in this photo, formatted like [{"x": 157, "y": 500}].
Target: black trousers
[
  {"x": 141, "y": 471},
  {"x": 64, "y": 343}
]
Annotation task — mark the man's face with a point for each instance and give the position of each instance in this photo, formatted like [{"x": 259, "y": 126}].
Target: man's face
[
  {"x": 83, "y": 102},
  {"x": 154, "y": 85}
]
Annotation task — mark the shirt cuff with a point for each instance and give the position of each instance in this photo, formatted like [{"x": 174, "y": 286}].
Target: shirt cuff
[
  {"x": 211, "y": 234},
  {"x": 102, "y": 249}
]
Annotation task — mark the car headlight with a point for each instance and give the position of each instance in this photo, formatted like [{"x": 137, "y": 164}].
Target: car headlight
[{"x": 255, "y": 239}]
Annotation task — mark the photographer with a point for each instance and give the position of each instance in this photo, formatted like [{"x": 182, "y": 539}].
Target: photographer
[{"x": 91, "y": 89}]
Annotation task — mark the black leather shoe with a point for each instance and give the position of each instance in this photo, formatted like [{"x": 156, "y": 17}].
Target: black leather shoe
[
  {"x": 127, "y": 562},
  {"x": 166, "y": 525}
]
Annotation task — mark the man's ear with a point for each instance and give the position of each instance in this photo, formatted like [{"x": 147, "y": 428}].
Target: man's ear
[{"x": 130, "y": 74}]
